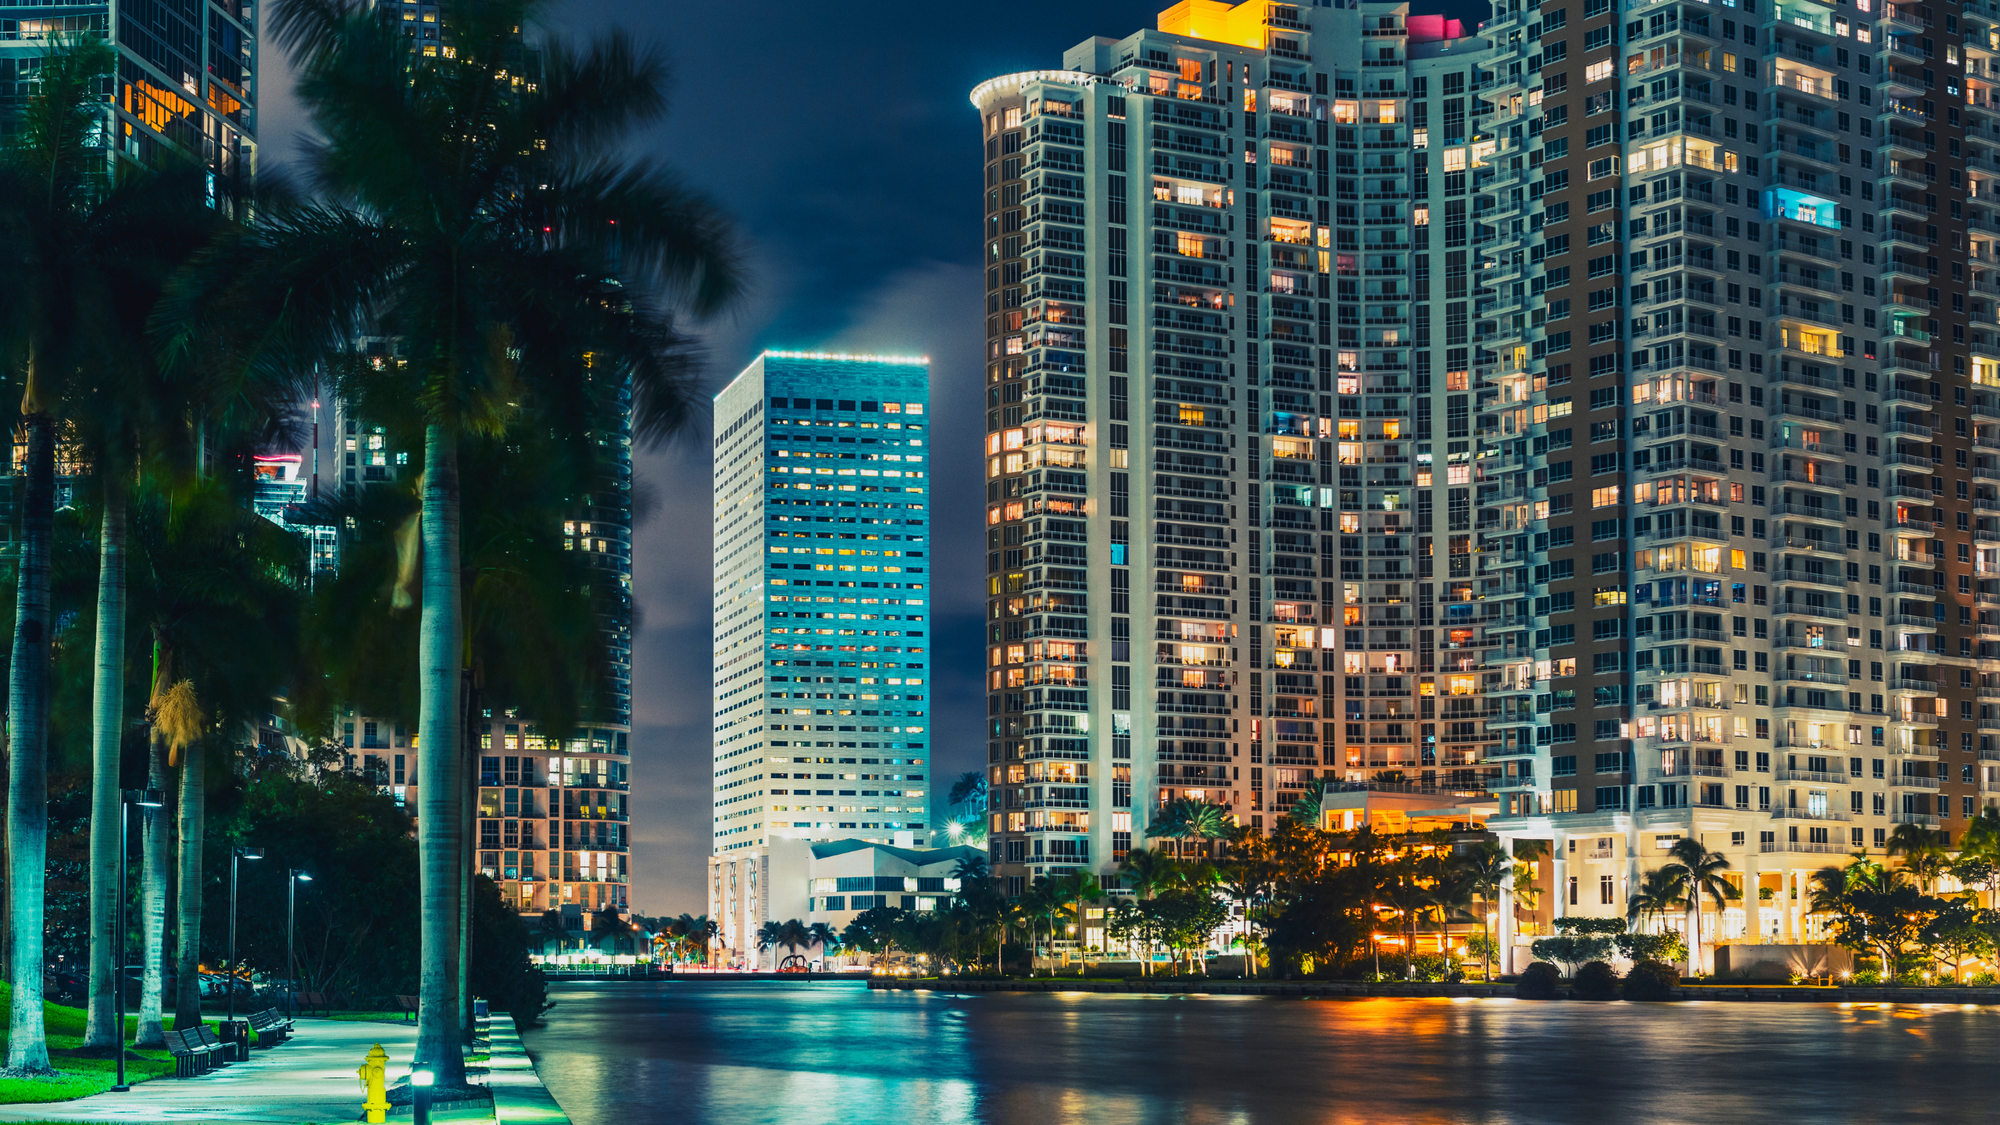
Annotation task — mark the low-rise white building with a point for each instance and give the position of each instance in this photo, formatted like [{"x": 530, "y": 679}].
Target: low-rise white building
[{"x": 828, "y": 881}]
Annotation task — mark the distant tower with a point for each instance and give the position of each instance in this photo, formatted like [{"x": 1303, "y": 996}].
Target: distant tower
[{"x": 823, "y": 662}]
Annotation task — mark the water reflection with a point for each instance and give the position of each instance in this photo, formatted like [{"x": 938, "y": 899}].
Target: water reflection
[{"x": 792, "y": 1054}]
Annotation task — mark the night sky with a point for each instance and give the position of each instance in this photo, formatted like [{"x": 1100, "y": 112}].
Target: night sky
[{"x": 841, "y": 139}]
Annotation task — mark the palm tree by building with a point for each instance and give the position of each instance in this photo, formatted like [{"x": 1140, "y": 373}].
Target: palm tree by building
[
  {"x": 1184, "y": 819},
  {"x": 1486, "y": 867},
  {"x": 1148, "y": 872},
  {"x": 824, "y": 939},
  {"x": 1924, "y": 856},
  {"x": 1039, "y": 905},
  {"x": 1657, "y": 895},
  {"x": 1406, "y": 892},
  {"x": 1696, "y": 873},
  {"x": 1070, "y": 893},
  {"x": 794, "y": 934},
  {"x": 1246, "y": 877},
  {"x": 770, "y": 936}
]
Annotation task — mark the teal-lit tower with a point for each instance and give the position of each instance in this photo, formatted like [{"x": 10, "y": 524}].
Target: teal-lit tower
[{"x": 823, "y": 659}]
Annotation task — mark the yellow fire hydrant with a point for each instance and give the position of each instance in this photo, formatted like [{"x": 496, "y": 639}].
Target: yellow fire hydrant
[{"x": 374, "y": 1075}]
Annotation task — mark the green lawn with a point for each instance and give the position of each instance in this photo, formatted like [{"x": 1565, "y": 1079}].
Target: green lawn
[
  {"x": 79, "y": 1077},
  {"x": 369, "y": 1017}
]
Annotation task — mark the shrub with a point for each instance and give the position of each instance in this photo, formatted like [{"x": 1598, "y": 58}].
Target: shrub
[
  {"x": 1432, "y": 967},
  {"x": 1651, "y": 980},
  {"x": 1596, "y": 981},
  {"x": 1538, "y": 982}
]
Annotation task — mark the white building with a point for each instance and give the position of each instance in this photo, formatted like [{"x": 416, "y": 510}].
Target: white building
[
  {"x": 822, "y": 646},
  {"x": 828, "y": 881}
]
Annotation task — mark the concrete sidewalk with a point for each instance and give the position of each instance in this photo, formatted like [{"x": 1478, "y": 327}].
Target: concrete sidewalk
[{"x": 311, "y": 1078}]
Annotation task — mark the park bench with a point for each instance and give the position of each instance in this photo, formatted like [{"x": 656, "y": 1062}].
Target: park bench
[
  {"x": 407, "y": 1005},
  {"x": 315, "y": 1002},
  {"x": 271, "y": 1028},
  {"x": 193, "y": 1054},
  {"x": 224, "y": 1051}
]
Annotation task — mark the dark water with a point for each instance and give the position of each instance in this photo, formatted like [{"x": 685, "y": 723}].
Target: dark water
[{"x": 800, "y": 1054}]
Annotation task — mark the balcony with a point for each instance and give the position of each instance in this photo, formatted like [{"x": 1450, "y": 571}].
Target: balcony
[
  {"x": 1812, "y": 777},
  {"x": 1784, "y": 812}
]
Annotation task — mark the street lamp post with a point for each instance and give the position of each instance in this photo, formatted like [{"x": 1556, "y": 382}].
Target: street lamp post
[
  {"x": 235, "y": 864},
  {"x": 145, "y": 799},
  {"x": 292, "y": 882}
]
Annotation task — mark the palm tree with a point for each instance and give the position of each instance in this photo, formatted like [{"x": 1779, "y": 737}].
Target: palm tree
[
  {"x": 823, "y": 936},
  {"x": 1487, "y": 867},
  {"x": 1696, "y": 872},
  {"x": 1924, "y": 858},
  {"x": 218, "y": 590},
  {"x": 1657, "y": 893},
  {"x": 81, "y": 257},
  {"x": 1408, "y": 895},
  {"x": 793, "y": 933},
  {"x": 490, "y": 225},
  {"x": 1039, "y": 903},
  {"x": 971, "y": 869},
  {"x": 1071, "y": 892},
  {"x": 770, "y": 936},
  {"x": 1186, "y": 819},
  {"x": 1247, "y": 877},
  {"x": 1147, "y": 872},
  {"x": 708, "y": 929}
]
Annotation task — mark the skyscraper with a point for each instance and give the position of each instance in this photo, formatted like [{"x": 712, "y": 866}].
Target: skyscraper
[
  {"x": 1560, "y": 408},
  {"x": 185, "y": 81},
  {"x": 823, "y": 660}
]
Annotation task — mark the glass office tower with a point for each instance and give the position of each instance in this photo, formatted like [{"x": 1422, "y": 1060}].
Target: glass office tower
[{"x": 823, "y": 568}]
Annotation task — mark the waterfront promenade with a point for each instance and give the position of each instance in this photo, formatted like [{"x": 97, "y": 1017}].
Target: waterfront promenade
[{"x": 309, "y": 1078}]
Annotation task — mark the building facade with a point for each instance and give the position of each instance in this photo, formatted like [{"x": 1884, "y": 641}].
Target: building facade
[
  {"x": 1591, "y": 409},
  {"x": 185, "y": 81},
  {"x": 822, "y": 660}
]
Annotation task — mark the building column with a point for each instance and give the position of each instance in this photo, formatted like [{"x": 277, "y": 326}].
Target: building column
[
  {"x": 1785, "y": 905},
  {"x": 1753, "y": 903},
  {"x": 1505, "y": 930},
  {"x": 1559, "y": 861}
]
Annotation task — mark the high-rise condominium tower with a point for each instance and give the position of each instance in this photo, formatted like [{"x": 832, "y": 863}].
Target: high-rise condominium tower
[
  {"x": 1597, "y": 408},
  {"x": 822, "y": 575}
]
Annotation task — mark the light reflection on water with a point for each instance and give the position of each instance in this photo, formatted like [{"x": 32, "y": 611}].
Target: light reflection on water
[{"x": 796, "y": 1054}]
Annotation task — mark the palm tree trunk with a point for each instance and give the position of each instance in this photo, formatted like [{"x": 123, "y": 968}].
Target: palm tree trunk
[
  {"x": 107, "y": 727},
  {"x": 440, "y": 657},
  {"x": 1485, "y": 942},
  {"x": 28, "y": 755},
  {"x": 467, "y": 827},
  {"x": 1694, "y": 939},
  {"x": 155, "y": 856},
  {"x": 193, "y": 816}
]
